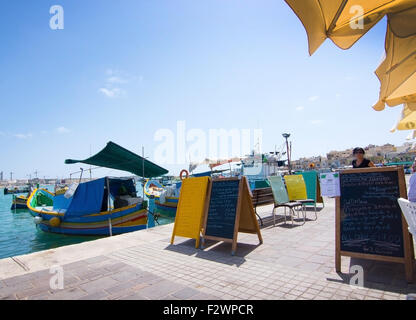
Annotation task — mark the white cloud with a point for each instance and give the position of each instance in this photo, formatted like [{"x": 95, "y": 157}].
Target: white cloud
[
  {"x": 116, "y": 79},
  {"x": 313, "y": 98},
  {"x": 300, "y": 108},
  {"x": 62, "y": 130},
  {"x": 110, "y": 93},
  {"x": 23, "y": 136},
  {"x": 316, "y": 122}
]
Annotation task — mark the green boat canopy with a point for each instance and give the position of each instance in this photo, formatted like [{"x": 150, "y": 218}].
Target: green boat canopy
[{"x": 116, "y": 157}]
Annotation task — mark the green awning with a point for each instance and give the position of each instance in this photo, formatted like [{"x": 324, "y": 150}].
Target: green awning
[
  {"x": 400, "y": 163},
  {"x": 116, "y": 157}
]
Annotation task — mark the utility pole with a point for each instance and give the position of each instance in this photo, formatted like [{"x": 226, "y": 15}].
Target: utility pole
[
  {"x": 11, "y": 176},
  {"x": 286, "y": 136}
]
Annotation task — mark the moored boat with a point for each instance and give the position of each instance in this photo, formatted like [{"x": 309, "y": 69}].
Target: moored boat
[
  {"x": 91, "y": 210},
  {"x": 16, "y": 190},
  {"x": 166, "y": 197},
  {"x": 104, "y": 206},
  {"x": 19, "y": 202}
]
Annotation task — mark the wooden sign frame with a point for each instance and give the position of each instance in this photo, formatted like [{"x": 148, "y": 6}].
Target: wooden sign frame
[
  {"x": 408, "y": 247},
  {"x": 319, "y": 198},
  {"x": 243, "y": 190}
]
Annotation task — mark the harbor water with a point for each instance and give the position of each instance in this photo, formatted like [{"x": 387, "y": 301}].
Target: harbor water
[{"x": 19, "y": 234}]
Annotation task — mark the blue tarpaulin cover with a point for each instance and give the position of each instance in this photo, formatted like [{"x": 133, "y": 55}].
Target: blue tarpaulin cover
[{"x": 88, "y": 198}]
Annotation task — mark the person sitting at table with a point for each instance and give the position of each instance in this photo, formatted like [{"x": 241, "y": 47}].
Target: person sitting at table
[
  {"x": 412, "y": 184},
  {"x": 360, "y": 161}
]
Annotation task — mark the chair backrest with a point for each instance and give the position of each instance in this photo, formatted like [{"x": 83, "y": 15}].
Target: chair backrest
[
  {"x": 409, "y": 212},
  {"x": 279, "y": 190},
  {"x": 296, "y": 187},
  {"x": 311, "y": 182}
]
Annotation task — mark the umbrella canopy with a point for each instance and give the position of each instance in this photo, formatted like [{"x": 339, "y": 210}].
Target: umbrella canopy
[
  {"x": 344, "y": 21},
  {"x": 116, "y": 157},
  {"x": 397, "y": 73},
  {"x": 407, "y": 119}
]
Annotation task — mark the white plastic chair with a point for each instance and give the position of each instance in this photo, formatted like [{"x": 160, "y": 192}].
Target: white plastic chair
[{"x": 409, "y": 212}]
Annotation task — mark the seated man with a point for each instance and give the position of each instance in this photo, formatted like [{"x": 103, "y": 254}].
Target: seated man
[{"x": 412, "y": 184}]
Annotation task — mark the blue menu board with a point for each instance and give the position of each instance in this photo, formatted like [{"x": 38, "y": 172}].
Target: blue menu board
[{"x": 222, "y": 209}]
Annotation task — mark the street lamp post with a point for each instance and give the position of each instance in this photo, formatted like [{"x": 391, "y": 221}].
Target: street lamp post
[{"x": 286, "y": 136}]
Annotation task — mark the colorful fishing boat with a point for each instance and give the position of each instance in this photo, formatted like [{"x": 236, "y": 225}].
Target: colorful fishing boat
[
  {"x": 16, "y": 190},
  {"x": 19, "y": 202},
  {"x": 91, "y": 210},
  {"x": 105, "y": 206},
  {"x": 166, "y": 197}
]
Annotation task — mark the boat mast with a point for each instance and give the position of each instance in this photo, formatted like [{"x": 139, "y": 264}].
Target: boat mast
[{"x": 143, "y": 170}]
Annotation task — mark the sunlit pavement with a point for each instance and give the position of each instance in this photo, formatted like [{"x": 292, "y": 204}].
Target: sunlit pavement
[{"x": 295, "y": 262}]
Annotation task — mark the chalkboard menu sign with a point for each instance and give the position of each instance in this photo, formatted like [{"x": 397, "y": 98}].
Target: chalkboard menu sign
[
  {"x": 371, "y": 219},
  {"x": 369, "y": 223},
  {"x": 223, "y": 208},
  {"x": 229, "y": 211}
]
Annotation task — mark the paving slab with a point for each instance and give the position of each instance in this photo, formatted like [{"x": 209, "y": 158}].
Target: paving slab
[{"x": 293, "y": 263}]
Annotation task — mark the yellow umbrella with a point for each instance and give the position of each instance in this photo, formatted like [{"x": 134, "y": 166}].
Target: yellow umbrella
[
  {"x": 343, "y": 21},
  {"x": 346, "y": 21},
  {"x": 397, "y": 73},
  {"x": 407, "y": 119}
]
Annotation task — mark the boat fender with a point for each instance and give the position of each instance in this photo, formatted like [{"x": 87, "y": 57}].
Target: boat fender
[
  {"x": 38, "y": 220},
  {"x": 54, "y": 222},
  {"x": 184, "y": 171}
]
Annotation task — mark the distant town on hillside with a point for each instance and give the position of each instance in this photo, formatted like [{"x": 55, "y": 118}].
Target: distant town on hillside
[{"x": 386, "y": 153}]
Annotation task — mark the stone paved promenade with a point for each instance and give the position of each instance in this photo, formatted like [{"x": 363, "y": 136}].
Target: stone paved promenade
[{"x": 293, "y": 263}]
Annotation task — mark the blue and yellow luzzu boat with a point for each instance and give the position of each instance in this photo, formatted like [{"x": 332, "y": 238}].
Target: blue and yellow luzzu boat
[
  {"x": 19, "y": 202},
  {"x": 166, "y": 198},
  {"x": 105, "y": 206}
]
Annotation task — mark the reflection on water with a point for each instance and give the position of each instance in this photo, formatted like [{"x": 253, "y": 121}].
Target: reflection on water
[{"x": 19, "y": 235}]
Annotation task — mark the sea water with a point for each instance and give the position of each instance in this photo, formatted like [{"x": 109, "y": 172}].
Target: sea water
[{"x": 19, "y": 234}]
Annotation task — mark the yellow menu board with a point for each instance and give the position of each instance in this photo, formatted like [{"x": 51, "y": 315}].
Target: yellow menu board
[
  {"x": 296, "y": 187},
  {"x": 191, "y": 208}
]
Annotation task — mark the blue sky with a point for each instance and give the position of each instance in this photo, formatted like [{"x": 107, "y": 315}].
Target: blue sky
[{"x": 121, "y": 70}]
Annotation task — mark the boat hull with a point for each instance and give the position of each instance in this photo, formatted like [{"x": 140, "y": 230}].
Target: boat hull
[
  {"x": 19, "y": 203},
  {"x": 118, "y": 221},
  {"x": 85, "y": 231},
  {"x": 167, "y": 209}
]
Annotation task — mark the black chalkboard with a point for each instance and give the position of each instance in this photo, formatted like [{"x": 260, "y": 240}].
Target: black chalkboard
[
  {"x": 371, "y": 219},
  {"x": 222, "y": 209}
]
